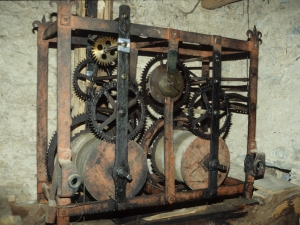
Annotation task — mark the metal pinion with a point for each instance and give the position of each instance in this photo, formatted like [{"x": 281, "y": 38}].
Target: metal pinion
[{"x": 104, "y": 50}]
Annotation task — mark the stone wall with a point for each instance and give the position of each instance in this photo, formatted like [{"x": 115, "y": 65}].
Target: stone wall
[{"x": 278, "y": 123}]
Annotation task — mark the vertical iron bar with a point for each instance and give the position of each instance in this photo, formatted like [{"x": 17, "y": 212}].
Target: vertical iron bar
[
  {"x": 205, "y": 73},
  {"x": 214, "y": 142},
  {"x": 63, "y": 101},
  {"x": 168, "y": 130},
  {"x": 121, "y": 160},
  {"x": 42, "y": 110},
  {"x": 252, "y": 96}
]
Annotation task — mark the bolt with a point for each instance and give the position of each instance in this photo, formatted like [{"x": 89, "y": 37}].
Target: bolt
[
  {"x": 216, "y": 81},
  {"x": 171, "y": 199},
  {"x": 65, "y": 19},
  {"x": 217, "y": 58},
  {"x": 122, "y": 112},
  {"x": 215, "y": 112},
  {"x": 124, "y": 76},
  {"x": 122, "y": 173},
  {"x": 125, "y": 15},
  {"x": 63, "y": 212},
  {"x": 124, "y": 44}
]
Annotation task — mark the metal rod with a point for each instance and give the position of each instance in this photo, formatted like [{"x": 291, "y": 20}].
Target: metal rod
[
  {"x": 42, "y": 110},
  {"x": 143, "y": 201}
]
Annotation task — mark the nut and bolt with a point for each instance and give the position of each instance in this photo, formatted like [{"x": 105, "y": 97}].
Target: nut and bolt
[
  {"x": 124, "y": 76},
  {"x": 171, "y": 199},
  {"x": 123, "y": 174}
]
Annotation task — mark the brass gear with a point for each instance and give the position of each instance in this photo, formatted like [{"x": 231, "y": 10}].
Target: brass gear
[{"x": 104, "y": 50}]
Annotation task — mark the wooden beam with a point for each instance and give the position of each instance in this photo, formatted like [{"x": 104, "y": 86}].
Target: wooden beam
[{"x": 213, "y": 4}]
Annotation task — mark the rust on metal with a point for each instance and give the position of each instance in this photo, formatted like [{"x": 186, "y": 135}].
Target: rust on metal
[
  {"x": 42, "y": 107},
  {"x": 95, "y": 162},
  {"x": 94, "y": 166},
  {"x": 169, "y": 151},
  {"x": 253, "y": 79}
]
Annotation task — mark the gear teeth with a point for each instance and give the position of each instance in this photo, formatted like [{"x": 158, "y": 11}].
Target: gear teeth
[
  {"x": 79, "y": 93},
  {"x": 152, "y": 153},
  {"x": 52, "y": 142},
  {"x": 99, "y": 53},
  {"x": 52, "y": 147},
  {"x": 107, "y": 136},
  {"x": 149, "y": 100},
  {"x": 192, "y": 127}
]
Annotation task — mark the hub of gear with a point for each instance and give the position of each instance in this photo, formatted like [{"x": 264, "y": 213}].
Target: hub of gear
[
  {"x": 200, "y": 112},
  {"x": 104, "y": 103},
  {"x": 152, "y": 73},
  {"x": 104, "y": 50}
]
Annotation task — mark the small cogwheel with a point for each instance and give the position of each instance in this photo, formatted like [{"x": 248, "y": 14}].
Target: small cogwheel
[{"x": 104, "y": 50}]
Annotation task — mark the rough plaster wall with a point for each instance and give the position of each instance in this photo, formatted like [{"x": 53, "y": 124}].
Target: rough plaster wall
[
  {"x": 278, "y": 122},
  {"x": 18, "y": 66}
]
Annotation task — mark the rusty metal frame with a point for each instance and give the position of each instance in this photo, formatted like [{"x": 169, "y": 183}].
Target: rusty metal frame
[{"x": 60, "y": 32}]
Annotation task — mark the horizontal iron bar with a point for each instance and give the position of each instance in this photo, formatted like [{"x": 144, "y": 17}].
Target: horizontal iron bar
[
  {"x": 142, "y": 201},
  {"x": 85, "y": 23}
]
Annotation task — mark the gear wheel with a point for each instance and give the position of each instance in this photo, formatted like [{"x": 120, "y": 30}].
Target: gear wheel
[
  {"x": 52, "y": 147},
  {"x": 88, "y": 77},
  {"x": 157, "y": 106},
  {"x": 203, "y": 98},
  {"x": 107, "y": 96},
  {"x": 218, "y": 223},
  {"x": 104, "y": 50}
]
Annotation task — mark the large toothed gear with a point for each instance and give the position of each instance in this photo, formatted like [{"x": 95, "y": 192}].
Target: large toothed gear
[
  {"x": 88, "y": 77},
  {"x": 200, "y": 112},
  {"x": 104, "y": 51},
  {"x": 152, "y": 73},
  {"x": 105, "y": 102}
]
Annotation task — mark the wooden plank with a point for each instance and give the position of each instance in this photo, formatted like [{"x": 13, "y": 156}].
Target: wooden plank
[{"x": 213, "y": 4}]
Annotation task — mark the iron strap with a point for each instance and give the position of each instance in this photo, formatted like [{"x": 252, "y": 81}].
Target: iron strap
[
  {"x": 214, "y": 143},
  {"x": 121, "y": 159}
]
